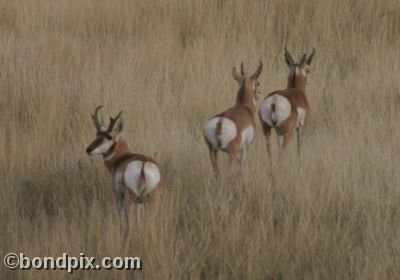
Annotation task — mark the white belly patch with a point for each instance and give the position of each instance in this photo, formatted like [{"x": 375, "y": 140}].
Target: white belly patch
[
  {"x": 301, "y": 116},
  {"x": 132, "y": 177},
  {"x": 118, "y": 180},
  {"x": 282, "y": 110},
  {"x": 228, "y": 132},
  {"x": 247, "y": 136}
]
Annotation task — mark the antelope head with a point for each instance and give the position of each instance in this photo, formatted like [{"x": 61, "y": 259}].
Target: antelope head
[
  {"x": 106, "y": 137},
  {"x": 247, "y": 82},
  {"x": 301, "y": 68}
]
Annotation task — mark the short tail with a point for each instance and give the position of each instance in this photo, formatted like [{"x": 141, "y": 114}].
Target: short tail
[
  {"x": 273, "y": 118},
  {"x": 142, "y": 180},
  {"x": 218, "y": 131}
]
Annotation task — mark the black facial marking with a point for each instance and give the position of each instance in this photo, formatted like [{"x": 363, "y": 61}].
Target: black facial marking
[
  {"x": 98, "y": 141},
  {"x": 94, "y": 145},
  {"x": 110, "y": 150},
  {"x": 104, "y": 135}
]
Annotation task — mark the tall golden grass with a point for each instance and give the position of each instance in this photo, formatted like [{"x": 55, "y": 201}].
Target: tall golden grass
[{"x": 334, "y": 214}]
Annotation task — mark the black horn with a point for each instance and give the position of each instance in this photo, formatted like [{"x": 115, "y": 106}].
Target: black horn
[
  {"x": 258, "y": 71},
  {"x": 288, "y": 57},
  {"x": 310, "y": 58},
  {"x": 95, "y": 118},
  {"x": 242, "y": 70},
  {"x": 113, "y": 121}
]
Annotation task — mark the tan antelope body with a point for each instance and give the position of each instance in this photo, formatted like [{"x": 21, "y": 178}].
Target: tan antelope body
[
  {"x": 233, "y": 130},
  {"x": 287, "y": 110},
  {"x": 136, "y": 178}
]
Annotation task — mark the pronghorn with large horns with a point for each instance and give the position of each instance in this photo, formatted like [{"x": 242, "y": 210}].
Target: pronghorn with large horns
[
  {"x": 287, "y": 110},
  {"x": 135, "y": 177},
  {"x": 232, "y": 130}
]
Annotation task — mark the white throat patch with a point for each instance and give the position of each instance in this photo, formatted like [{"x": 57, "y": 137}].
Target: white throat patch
[
  {"x": 110, "y": 156},
  {"x": 103, "y": 148}
]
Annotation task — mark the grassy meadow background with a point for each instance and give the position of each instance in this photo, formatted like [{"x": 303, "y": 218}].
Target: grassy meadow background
[{"x": 334, "y": 214}]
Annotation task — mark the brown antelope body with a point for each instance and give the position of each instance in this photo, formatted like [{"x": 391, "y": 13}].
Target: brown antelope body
[
  {"x": 135, "y": 177},
  {"x": 233, "y": 130},
  {"x": 287, "y": 110}
]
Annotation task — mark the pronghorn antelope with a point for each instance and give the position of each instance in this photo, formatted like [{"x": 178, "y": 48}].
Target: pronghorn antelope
[
  {"x": 286, "y": 110},
  {"x": 232, "y": 130},
  {"x": 135, "y": 177}
]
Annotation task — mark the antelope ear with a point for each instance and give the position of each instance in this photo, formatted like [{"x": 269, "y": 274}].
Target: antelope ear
[
  {"x": 310, "y": 58},
  {"x": 236, "y": 75},
  {"x": 120, "y": 126},
  {"x": 302, "y": 62},
  {"x": 288, "y": 62},
  {"x": 288, "y": 57},
  {"x": 242, "y": 70},
  {"x": 258, "y": 71}
]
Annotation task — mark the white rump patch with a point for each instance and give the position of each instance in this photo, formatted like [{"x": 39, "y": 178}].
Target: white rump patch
[
  {"x": 152, "y": 175},
  {"x": 282, "y": 110},
  {"x": 132, "y": 177},
  {"x": 247, "y": 137},
  {"x": 228, "y": 132},
  {"x": 301, "y": 115}
]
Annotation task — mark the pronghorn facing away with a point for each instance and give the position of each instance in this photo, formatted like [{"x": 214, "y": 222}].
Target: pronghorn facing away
[
  {"x": 233, "y": 130},
  {"x": 287, "y": 110},
  {"x": 135, "y": 177}
]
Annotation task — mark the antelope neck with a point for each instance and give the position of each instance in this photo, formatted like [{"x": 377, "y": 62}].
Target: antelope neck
[
  {"x": 294, "y": 77},
  {"x": 110, "y": 153},
  {"x": 116, "y": 152},
  {"x": 243, "y": 99},
  {"x": 296, "y": 82}
]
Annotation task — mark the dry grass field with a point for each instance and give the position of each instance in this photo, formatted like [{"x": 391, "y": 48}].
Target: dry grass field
[{"x": 334, "y": 214}]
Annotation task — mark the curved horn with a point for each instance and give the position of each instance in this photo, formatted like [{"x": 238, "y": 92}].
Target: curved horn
[
  {"x": 242, "y": 69},
  {"x": 95, "y": 118},
  {"x": 113, "y": 121},
  {"x": 310, "y": 58},
  {"x": 258, "y": 72},
  {"x": 303, "y": 59},
  {"x": 236, "y": 75},
  {"x": 288, "y": 57}
]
